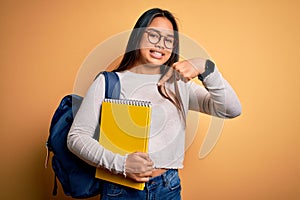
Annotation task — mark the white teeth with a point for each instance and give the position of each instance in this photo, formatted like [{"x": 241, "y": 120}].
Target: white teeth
[{"x": 157, "y": 53}]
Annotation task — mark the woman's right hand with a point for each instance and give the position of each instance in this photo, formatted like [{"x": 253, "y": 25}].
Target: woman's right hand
[{"x": 139, "y": 166}]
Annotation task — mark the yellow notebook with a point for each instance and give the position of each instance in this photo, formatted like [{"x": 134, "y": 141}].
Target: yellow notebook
[{"x": 124, "y": 129}]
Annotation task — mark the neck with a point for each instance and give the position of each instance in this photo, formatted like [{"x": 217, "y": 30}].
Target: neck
[{"x": 145, "y": 69}]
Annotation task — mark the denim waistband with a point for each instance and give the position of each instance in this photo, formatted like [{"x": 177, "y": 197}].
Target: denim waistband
[{"x": 163, "y": 178}]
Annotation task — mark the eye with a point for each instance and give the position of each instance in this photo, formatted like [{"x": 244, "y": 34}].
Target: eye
[
  {"x": 169, "y": 40},
  {"x": 153, "y": 35}
]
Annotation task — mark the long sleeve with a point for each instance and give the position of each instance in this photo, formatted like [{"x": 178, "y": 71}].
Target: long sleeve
[
  {"x": 81, "y": 138},
  {"x": 217, "y": 98}
]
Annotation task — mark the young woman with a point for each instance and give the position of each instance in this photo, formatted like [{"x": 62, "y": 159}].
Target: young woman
[{"x": 150, "y": 71}]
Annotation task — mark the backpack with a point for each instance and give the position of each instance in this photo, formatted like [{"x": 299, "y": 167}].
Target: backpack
[{"x": 75, "y": 175}]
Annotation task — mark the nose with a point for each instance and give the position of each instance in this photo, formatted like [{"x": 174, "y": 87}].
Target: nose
[{"x": 160, "y": 43}]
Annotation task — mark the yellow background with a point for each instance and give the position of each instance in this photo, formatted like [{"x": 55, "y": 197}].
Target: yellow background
[{"x": 255, "y": 44}]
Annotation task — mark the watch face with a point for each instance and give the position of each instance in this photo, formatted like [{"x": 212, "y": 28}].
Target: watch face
[{"x": 210, "y": 66}]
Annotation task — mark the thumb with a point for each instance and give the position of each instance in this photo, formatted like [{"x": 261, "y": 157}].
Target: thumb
[{"x": 165, "y": 77}]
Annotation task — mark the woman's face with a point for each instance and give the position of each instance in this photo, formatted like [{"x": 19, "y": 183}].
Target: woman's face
[{"x": 157, "y": 42}]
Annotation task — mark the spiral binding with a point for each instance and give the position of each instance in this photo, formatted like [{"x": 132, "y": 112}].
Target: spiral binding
[{"x": 129, "y": 102}]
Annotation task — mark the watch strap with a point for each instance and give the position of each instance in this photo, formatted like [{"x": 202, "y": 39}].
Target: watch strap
[{"x": 209, "y": 68}]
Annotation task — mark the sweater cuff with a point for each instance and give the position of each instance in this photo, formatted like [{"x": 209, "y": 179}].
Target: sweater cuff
[
  {"x": 113, "y": 162},
  {"x": 118, "y": 164}
]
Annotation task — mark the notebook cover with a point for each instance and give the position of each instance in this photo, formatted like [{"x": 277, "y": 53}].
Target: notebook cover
[{"x": 124, "y": 129}]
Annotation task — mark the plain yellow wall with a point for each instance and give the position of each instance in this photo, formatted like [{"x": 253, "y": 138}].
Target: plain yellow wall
[{"x": 255, "y": 44}]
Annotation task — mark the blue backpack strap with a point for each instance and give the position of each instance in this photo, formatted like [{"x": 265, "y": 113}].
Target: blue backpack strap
[{"x": 112, "y": 85}]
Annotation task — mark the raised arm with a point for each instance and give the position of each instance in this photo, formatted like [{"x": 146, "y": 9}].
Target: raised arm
[{"x": 217, "y": 98}]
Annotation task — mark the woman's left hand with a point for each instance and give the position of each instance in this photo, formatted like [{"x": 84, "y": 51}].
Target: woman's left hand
[{"x": 188, "y": 69}]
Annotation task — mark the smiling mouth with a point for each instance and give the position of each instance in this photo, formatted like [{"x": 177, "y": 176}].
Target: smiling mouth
[{"x": 157, "y": 54}]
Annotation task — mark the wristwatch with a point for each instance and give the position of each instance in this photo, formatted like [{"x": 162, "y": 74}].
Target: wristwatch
[{"x": 209, "y": 68}]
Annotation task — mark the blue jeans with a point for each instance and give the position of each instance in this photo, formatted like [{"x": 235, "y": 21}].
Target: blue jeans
[{"x": 165, "y": 187}]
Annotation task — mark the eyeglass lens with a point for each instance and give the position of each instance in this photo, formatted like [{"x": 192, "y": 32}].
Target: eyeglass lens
[{"x": 154, "y": 37}]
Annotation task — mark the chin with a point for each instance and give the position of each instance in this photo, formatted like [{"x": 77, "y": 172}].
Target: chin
[{"x": 156, "y": 62}]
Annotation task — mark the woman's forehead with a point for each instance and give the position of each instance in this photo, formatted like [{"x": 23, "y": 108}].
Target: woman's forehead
[{"x": 161, "y": 24}]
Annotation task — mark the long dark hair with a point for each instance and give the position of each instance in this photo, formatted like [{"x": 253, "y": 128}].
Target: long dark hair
[{"x": 132, "y": 53}]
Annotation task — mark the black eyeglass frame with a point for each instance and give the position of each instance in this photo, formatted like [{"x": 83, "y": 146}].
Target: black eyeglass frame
[{"x": 160, "y": 36}]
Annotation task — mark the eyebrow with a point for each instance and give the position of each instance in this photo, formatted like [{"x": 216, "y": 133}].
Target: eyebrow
[{"x": 153, "y": 29}]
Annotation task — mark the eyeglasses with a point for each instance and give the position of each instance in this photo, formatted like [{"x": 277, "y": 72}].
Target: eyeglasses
[{"x": 154, "y": 37}]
